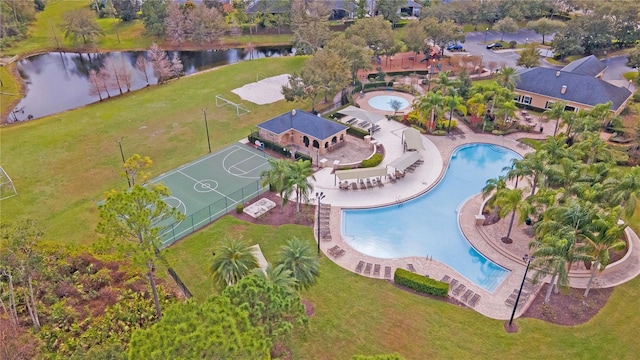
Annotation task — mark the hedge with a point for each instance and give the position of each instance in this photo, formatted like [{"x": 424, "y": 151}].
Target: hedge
[
  {"x": 373, "y": 161},
  {"x": 420, "y": 283}
]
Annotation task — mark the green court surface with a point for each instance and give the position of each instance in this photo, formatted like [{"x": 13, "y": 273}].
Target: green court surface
[{"x": 211, "y": 186}]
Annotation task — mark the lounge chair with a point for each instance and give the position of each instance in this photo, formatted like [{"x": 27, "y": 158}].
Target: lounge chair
[
  {"x": 467, "y": 295},
  {"x": 446, "y": 278},
  {"x": 411, "y": 268},
  {"x": 367, "y": 269},
  {"x": 460, "y": 288},
  {"x": 339, "y": 253},
  {"x": 392, "y": 178},
  {"x": 379, "y": 183},
  {"x": 376, "y": 270},
  {"x": 474, "y": 300},
  {"x": 369, "y": 184},
  {"x": 362, "y": 184},
  {"x": 333, "y": 249},
  {"x": 359, "y": 267},
  {"x": 453, "y": 284},
  {"x": 387, "y": 272},
  {"x": 354, "y": 185}
]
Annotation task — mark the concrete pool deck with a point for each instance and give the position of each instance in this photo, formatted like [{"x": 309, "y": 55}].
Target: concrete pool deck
[{"x": 438, "y": 150}]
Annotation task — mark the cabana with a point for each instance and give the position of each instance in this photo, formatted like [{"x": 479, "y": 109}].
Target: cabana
[
  {"x": 362, "y": 114},
  {"x": 362, "y": 173},
  {"x": 412, "y": 140},
  {"x": 404, "y": 161}
]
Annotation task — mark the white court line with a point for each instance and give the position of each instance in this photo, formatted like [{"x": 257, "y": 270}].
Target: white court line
[
  {"x": 232, "y": 148},
  {"x": 200, "y": 182},
  {"x": 235, "y": 165}
]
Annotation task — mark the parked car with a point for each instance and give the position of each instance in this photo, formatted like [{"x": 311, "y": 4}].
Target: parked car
[
  {"x": 494, "y": 46},
  {"x": 454, "y": 47}
]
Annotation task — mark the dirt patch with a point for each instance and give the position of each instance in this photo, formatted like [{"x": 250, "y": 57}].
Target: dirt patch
[
  {"x": 568, "y": 308},
  {"x": 309, "y": 309},
  {"x": 280, "y": 215}
]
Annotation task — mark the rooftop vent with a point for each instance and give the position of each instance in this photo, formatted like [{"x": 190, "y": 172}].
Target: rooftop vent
[
  {"x": 557, "y": 73},
  {"x": 564, "y": 89},
  {"x": 293, "y": 112}
]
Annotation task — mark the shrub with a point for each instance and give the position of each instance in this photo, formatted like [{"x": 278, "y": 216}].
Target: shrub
[
  {"x": 239, "y": 208},
  {"x": 373, "y": 161},
  {"x": 497, "y": 132},
  {"x": 512, "y": 44},
  {"x": 420, "y": 283},
  {"x": 357, "y": 132},
  {"x": 439, "y": 132},
  {"x": 419, "y": 128},
  {"x": 511, "y": 131},
  {"x": 636, "y": 96}
]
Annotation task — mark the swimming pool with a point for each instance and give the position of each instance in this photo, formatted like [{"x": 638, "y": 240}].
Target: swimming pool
[
  {"x": 427, "y": 226},
  {"x": 383, "y": 102}
]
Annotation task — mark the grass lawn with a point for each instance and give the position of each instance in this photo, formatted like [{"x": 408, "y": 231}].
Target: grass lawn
[
  {"x": 358, "y": 315},
  {"x": 62, "y": 164},
  {"x": 9, "y": 92}
]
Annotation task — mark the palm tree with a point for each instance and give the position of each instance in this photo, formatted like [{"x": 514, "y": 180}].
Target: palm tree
[
  {"x": 446, "y": 83},
  {"x": 506, "y": 109},
  {"x": 510, "y": 200},
  {"x": 298, "y": 257},
  {"x": 433, "y": 104},
  {"x": 277, "y": 177},
  {"x": 534, "y": 166},
  {"x": 455, "y": 103},
  {"x": 606, "y": 237},
  {"x": 234, "y": 261},
  {"x": 556, "y": 112},
  {"x": 507, "y": 77},
  {"x": 298, "y": 181},
  {"x": 476, "y": 105},
  {"x": 623, "y": 188},
  {"x": 279, "y": 276},
  {"x": 594, "y": 147},
  {"x": 495, "y": 184},
  {"x": 554, "y": 255}
]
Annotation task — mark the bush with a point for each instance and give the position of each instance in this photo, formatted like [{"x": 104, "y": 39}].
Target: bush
[
  {"x": 239, "y": 208},
  {"x": 373, "y": 161},
  {"x": 439, "y": 132},
  {"x": 419, "y": 128},
  {"x": 497, "y": 132},
  {"x": 512, "y": 44},
  {"x": 511, "y": 131},
  {"x": 420, "y": 283},
  {"x": 357, "y": 132},
  {"x": 636, "y": 96}
]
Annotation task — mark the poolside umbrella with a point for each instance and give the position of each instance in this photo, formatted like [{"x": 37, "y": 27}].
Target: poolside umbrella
[{"x": 362, "y": 114}]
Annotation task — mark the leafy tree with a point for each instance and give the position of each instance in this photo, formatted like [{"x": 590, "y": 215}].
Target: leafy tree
[
  {"x": 160, "y": 63},
  {"x": 568, "y": 41},
  {"x": 215, "y": 329},
  {"x": 529, "y": 57},
  {"x": 127, "y": 9},
  {"x": 506, "y": 25},
  {"x": 306, "y": 85},
  {"x": 544, "y": 26},
  {"x": 389, "y": 9},
  {"x": 442, "y": 32},
  {"x": 333, "y": 69},
  {"x": 133, "y": 220},
  {"x": 208, "y": 25},
  {"x": 413, "y": 37},
  {"x": 310, "y": 26},
  {"x": 20, "y": 262},
  {"x": 298, "y": 181},
  {"x": 81, "y": 25},
  {"x": 141, "y": 66},
  {"x": 464, "y": 84},
  {"x": 298, "y": 258},
  {"x": 623, "y": 188},
  {"x": 270, "y": 307},
  {"x": 277, "y": 177},
  {"x": 353, "y": 50},
  {"x": 154, "y": 14},
  {"x": 476, "y": 105},
  {"x": 177, "y": 23},
  {"x": 605, "y": 236},
  {"x": 430, "y": 106},
  {"x": 375, "y": 31},
  {"x": 232, "y": 262}
]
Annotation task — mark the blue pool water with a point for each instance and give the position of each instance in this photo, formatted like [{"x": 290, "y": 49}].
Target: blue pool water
[
  {"x": 428, "y": 225},
  {"x": 383, "y": 102}
]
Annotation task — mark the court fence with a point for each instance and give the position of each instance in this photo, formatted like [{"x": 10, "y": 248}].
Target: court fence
[{"x": 211, "y": 213}]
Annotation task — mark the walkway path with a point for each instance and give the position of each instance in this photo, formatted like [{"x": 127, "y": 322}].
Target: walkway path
[{"x": 486, "y": 239}]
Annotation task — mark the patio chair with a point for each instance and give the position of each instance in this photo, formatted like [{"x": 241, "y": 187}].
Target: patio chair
[
  {"x": 369, "y": 184},
  {"x": 339, "y": 253},
  {"x": 376, "y": 270},
  {"x": 387, "y": 272},
  {"x": 467, "y": 295},
  {"x": 453, "y": 284},
  {"x": 392, "y": 178},
  {"x": 474, "y": 300},
  {"x": 333, "y": 249},
  {"x": 367, "y": 269},
  {"x": 359, "y": 267},
  {"x": 411, "y": 268},
  {"x": 460, "y": 288},
  {"x": 379, "y": 183},
  {"x": 446, "y": 278},
  {"x": 354, "y": 186},
  {"x": 362, "y": 184}
]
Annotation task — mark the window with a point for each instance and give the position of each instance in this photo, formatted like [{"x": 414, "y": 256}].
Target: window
[
  {"x": 316, "y": 144},
  {"x": 526, "y": 100},
  {"x": 517, "y": 98},
  {"x": 549, "y": 104}
]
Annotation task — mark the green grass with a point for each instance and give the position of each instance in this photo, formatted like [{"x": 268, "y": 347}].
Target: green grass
[
  {"x": 10, "y": 90},
  {"x": 62, "y": 164},
  {"x": 631, "y": 75},
  {"x": 358, "y": 315}
]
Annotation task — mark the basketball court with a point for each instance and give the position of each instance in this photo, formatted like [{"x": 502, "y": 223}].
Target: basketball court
[{"x": 211, "y": 186}]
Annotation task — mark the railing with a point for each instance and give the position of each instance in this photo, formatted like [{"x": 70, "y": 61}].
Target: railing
[{"x": 210, "y": 213}]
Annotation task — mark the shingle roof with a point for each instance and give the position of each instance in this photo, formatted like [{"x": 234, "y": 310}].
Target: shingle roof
[
  {"x": 303, "y": 122},
  {"x": 581, "y": 88},
  {"x": 589, "y": 65},
  {"x": 268, "y": 7}
]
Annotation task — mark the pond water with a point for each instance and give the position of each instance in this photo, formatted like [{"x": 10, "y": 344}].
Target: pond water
[{"x": 56, "y": 82}]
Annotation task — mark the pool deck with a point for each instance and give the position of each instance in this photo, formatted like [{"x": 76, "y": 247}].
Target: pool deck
[{"x": 486, "y": 239}]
